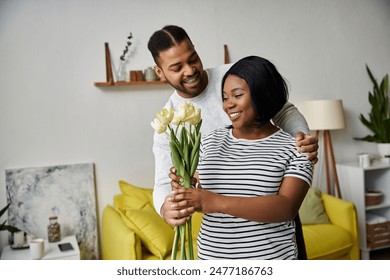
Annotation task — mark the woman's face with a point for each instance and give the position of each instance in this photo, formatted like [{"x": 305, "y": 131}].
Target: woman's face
[
  {"x": 237, "y": 103},
  {"x": 182, "y": 68}
]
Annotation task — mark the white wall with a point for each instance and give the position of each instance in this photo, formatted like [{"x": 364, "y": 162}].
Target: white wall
[{"x": 51, "y": 53}]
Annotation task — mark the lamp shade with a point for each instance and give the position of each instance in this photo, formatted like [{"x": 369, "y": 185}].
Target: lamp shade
[{"x": 324, "y": 114}]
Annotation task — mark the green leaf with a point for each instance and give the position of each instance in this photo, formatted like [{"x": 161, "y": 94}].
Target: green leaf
[
  {"x": 194, "y": 163},
  {"x": 186, "y": 154},
  {"x": 198, "y": 126},
  {"x": 177, "y": 143},
  {"x": 186, "y": 179},
  {"x": 183, "y": 135},
  {"x": 11, "y": 229},
  {"x": 176, "y": 159},
  {"x": 372, "y": 78},
  {"x": 2, "y": 211},
  {"x": 378, "y": 118},
  {"x": 2, "y": 226}
]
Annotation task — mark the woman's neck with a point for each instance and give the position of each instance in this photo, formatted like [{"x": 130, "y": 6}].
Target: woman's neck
[{"x": 255, "y": 133}]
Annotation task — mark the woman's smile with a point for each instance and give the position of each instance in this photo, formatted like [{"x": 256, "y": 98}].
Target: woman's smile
[{"x": 234, "y": 116}]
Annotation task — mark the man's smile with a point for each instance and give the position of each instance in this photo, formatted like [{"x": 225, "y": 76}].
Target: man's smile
[{"x": 191, "y": 80}]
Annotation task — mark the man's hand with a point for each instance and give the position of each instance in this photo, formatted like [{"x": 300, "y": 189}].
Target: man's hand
[
  {"x": 307, "y": 143},
  {"x": 173, "y": 210}
]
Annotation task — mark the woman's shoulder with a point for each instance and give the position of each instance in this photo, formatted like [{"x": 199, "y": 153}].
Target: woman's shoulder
[{"x": 284, "y": 135}]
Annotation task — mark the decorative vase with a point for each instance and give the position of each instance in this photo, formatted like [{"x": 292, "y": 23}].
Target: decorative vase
[
  {"x": 53, "y": 230},
  {"x": 383, "y": 149},
  {"x": 122, "y": 72},
  {"x": 18, "y": 239},
  {"x": 150, "y": 75}
]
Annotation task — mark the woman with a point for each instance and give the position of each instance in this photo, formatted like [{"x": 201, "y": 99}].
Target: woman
[{"x": 252, "y": 179}]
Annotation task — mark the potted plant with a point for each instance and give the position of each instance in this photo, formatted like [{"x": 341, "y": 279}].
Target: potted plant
[
  {"x": 378, "y": 120},
  {"x": 3, "y": 225}
]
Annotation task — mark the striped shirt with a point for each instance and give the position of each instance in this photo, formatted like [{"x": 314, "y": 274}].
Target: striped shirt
[
  {"x": 213, "y": 116},
  {"x": 247, "y": 168}
]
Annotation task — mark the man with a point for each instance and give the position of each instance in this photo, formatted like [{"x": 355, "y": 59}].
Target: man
[{"x": 178, "y": 63}]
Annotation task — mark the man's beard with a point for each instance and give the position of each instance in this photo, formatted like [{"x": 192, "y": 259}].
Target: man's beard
[{"x": 191, "y": 93}]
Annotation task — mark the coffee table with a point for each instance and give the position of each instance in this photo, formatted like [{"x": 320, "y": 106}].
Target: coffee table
[{"x": 52, "y": 251}]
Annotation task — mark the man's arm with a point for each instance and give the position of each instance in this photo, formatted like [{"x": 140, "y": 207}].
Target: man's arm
[
  {"x": 291, "y": 120},
  {"x": 162, "y": 164},
  {"x": 162, "y": 185}
]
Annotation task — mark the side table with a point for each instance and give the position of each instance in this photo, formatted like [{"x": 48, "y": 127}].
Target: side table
[{"x": 52, "y": 251}]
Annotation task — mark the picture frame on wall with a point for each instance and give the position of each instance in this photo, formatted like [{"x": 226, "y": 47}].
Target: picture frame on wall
[{"x": 65, "y": 191}]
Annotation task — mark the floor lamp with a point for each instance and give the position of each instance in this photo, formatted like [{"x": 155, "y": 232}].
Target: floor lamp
[{"x": 326, "y": 115}]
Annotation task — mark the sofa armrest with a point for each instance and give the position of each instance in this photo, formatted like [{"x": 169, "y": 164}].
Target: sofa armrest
[
  {"x": 118, "y": 241},
  {"x": 343, "y": 214}
]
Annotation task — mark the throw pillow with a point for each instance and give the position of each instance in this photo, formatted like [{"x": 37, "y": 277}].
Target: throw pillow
[
  {"x": 312, "y": 209},
  {"x": 135, "y": 197},
  {"x": 155, "y": 234}
]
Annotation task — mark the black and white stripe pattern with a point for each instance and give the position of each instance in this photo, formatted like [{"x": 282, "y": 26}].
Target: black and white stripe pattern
[{"x": 248, "y": 168}]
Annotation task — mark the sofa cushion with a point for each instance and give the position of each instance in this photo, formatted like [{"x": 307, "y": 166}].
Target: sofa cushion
[
  {"x": 155, "y": 234},
  {"x": 327, "y": 241},
  {"x": 196, "y": 223},
  {"x": 135, "y": 197},
  {"x": 312, "y": 209},
  {"x": 113, "y": 227}
]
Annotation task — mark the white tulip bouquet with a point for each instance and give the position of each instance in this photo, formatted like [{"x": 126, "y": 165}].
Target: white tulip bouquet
[{"x": 184, "y": 144}]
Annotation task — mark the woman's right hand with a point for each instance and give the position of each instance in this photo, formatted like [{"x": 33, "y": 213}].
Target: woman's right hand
[{"x": 174, "y": 211}]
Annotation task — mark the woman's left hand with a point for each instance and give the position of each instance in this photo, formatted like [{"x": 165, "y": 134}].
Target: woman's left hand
[{"x": 197, "y": 199}]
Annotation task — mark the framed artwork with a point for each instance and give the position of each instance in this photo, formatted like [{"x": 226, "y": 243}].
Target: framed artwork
[{"x": 65, "y": 191}]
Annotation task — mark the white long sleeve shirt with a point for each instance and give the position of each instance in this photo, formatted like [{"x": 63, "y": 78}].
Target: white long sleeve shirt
[{"x": 213, "y": 117}]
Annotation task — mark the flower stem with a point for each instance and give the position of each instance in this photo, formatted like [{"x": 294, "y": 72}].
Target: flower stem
[
  {"x": 190, "y": 244},
  {"x": 183, "y": 242},
  {"x": 175, "y": 243}
]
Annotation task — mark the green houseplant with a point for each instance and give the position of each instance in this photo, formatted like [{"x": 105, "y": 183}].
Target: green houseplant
[
  {"x": 3, "y": 225},
  {"x": 378, "y": 120}
]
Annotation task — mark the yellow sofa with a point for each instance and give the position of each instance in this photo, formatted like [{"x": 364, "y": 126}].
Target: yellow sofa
[
  {"x": 337, "y": 240},
  {"x": 132, "y": 230}
]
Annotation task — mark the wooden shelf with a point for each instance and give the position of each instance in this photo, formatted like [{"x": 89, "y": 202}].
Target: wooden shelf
[
  {"x": 110, "y": 78},
  {"x": 135, "y": 83}
]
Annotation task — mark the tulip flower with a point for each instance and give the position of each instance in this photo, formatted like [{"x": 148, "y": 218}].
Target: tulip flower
[
  {"x": 165, "y": 116},
  {"x": 184, "y": 145},
  {"x": 158, "y": 126},
  {"x": 195, "y": 118}
]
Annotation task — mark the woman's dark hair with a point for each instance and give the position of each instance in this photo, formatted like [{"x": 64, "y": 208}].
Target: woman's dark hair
[
  {"x": 268, "y": 89},
  {"x": 166, "y": 38}
]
